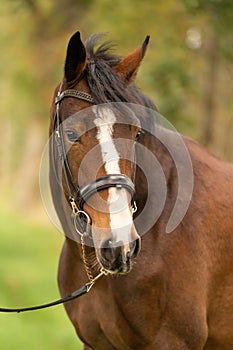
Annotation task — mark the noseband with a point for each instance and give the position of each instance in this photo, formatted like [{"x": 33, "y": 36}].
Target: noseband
[{"x": 80, "y": 195}]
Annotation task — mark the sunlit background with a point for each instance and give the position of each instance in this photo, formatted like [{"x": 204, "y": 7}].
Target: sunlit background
[{"x": 187, "y": 72}]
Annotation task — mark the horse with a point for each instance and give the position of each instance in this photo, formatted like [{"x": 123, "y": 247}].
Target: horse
[{"x": 155, "y": 287}]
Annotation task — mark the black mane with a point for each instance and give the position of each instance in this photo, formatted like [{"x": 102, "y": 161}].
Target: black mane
[{"x": 104, "y": 82}]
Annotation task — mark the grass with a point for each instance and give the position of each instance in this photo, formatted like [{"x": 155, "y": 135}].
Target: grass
[{"x": 29, "y": 253}]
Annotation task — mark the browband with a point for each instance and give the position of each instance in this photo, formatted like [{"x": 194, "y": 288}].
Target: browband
[{"x": 81, "y": 95}]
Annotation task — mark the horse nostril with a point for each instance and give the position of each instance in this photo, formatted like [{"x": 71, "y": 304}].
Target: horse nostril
[
  {"x": 135, "y": 247},
  {"x": 114, "y": 253},
  {"x": 107, "y": 250}
]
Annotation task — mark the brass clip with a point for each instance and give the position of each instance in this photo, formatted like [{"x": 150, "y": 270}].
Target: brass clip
[{"x": 74, "y": 207}]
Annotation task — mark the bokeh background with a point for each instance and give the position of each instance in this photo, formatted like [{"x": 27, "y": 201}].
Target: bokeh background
[{"x": 187, "y": 71}]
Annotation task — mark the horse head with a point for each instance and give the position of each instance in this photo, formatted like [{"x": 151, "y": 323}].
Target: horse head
[{"x": 96, "y": 135}]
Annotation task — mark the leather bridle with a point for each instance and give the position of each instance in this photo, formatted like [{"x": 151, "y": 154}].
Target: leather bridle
[{"x": 80, "y": 195}]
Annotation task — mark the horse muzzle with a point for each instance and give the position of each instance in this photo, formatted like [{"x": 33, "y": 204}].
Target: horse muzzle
[{"x": 118, "y": 257}]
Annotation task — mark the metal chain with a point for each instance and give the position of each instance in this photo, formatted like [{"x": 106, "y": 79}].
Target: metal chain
[
  {"x": 86, "y": 265},
  {"x": 90, "y": 276}
]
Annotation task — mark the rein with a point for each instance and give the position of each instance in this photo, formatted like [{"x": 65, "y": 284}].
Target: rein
[
  {"x": 77, "y": 201},
  {"x": 78, "y": 293}
]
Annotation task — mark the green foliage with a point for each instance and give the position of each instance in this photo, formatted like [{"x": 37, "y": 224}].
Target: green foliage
[
  {"x": 218, "y": 15},
  {"x": 174, "y": 70}
]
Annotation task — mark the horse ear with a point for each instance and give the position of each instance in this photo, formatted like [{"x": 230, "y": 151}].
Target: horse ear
[
  {"x": 127, "y": 68},
  {"x": 75, "y": 58}
]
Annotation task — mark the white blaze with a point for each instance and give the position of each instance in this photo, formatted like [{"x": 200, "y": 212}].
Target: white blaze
[{"x": 120, "y": 215}]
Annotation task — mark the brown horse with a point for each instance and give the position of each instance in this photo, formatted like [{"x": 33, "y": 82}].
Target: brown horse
[{"x": 161, "y": 291}]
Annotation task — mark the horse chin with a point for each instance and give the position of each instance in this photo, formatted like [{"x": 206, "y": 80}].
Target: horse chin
[{"x": 123, "y": 270}]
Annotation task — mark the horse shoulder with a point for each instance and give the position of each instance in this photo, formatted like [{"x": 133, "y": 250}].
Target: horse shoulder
[{"x": 212, "y": 204}]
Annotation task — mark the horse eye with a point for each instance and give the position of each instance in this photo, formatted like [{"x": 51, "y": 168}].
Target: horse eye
[
  {"x": 72, "y": 135},
  {"x": 138, "y": 135}
]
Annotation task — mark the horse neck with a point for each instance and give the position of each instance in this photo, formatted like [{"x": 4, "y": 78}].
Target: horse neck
[{"x": 158, "y": 165}]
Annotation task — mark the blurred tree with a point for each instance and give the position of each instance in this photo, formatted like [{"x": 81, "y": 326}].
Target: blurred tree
[
  {"x": 163, "y": 76},
  {"x": 215, "y": 18},
  {"x": 31, "y": 47}
]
